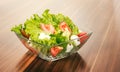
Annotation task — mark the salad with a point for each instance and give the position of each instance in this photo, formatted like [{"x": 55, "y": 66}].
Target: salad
[{"x": 50, "y": 34}]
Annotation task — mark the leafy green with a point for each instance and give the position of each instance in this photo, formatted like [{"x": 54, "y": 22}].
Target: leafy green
[
  {"x": 32, "y": 27},
  {"x": 17, "y": 29}
]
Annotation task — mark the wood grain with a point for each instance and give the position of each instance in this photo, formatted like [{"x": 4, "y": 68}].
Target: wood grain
[
  {"x": 99, "y": 54},
  {"x": 69, "y": 64}
]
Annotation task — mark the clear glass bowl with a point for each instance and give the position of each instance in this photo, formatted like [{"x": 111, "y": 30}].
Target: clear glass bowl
[{"x": 43, "y": 51}]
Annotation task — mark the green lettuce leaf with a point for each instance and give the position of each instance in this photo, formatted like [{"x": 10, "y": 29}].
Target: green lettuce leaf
[
  {"x": 32, "y": 27},
  {"x": 17, "y": 29}
]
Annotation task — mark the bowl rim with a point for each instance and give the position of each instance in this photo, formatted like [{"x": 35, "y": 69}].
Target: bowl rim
[{"x": 87, "y": 33}]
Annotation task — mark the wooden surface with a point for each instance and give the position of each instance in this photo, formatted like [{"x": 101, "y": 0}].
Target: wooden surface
[{"x": 100, "y": 54}]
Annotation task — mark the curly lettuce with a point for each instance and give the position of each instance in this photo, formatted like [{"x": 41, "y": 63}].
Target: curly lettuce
[{"x": 32, "y": 27}]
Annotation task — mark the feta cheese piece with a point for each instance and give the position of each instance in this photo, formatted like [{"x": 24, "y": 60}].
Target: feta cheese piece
[
  {"x": 44, "y": 36},
  {"x": 77, "y": 42},
  {"x": 76, "y": 39},
  {"x": 69, "y": 47}
]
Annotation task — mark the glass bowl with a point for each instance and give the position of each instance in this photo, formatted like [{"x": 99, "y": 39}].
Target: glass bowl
[{"x": 44, "y": 52}]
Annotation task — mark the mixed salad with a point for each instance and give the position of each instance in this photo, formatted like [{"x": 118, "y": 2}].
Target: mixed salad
[{"x": 51, "y": 30}]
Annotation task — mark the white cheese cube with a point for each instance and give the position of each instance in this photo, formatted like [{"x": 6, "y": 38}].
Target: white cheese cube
[
  {"x": 69, "y": 47},
  {"x": 76, "y": 40},
  {"x": 44, "y": 36}
]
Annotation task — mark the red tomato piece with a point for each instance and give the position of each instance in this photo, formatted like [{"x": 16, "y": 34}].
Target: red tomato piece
[
  {"x": 81, "y": 34},
  {"x": 83, "y": 37},
  {"x": 64, "y": 27},
  {"x": 48, "y": 28},
  {"x": 55, "y": 50}
]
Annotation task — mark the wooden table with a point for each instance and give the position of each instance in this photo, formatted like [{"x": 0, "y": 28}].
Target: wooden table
[{"x": 100, "y": 54}]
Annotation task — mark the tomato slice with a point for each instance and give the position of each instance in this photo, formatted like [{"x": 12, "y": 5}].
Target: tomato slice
[
  {"x": 83, "y": 37},
  {"x": 55, "y": 50},
  {"x": 64, "y": 27},
  {"x": 48, "y": 28},
  {"x": 81, "y": 34}
]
